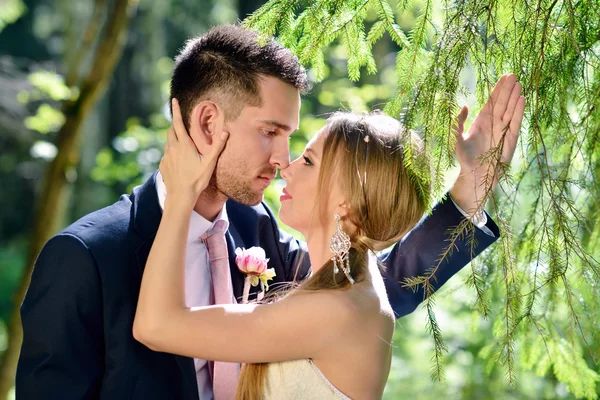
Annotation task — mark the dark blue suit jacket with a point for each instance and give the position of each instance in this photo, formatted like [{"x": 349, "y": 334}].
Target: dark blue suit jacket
[{"x": 79, "y": 309}]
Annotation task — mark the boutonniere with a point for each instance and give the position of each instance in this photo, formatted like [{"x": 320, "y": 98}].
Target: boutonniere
[{"x": 253, "y": 263}]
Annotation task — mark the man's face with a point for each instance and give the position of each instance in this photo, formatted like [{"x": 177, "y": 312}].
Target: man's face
[{"x": 258, "y": 143}]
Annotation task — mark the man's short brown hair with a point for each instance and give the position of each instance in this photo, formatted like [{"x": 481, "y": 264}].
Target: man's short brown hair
[{"x": 225, "y": 65}]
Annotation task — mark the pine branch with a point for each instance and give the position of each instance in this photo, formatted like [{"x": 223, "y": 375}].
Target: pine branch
[{"x": 550, "y": 262}]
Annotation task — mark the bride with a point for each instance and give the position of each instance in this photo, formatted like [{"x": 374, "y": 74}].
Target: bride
[{"x": 349, "y": 194}]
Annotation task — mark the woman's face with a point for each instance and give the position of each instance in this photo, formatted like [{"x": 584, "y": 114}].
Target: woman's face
[{"x": 300, "y": 197}]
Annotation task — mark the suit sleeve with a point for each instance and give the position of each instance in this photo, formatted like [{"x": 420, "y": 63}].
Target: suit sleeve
[
  {"x": 62, "y": 352},
  {"x": 421, "y": 250}
]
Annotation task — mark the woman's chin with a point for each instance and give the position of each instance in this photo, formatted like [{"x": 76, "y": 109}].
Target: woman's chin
[{"x": 284, "y": 217}]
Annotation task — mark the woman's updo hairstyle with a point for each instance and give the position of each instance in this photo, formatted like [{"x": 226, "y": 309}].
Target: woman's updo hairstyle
[{"x": 382, "y": 170}]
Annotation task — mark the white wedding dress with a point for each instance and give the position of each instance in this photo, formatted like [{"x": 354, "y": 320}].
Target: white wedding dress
[{"x": 298, "y": 380}]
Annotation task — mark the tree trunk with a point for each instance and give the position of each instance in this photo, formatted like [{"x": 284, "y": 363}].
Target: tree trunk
[{"x": 55, "y": 184}]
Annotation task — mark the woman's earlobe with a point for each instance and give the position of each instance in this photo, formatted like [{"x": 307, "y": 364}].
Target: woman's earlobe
[{"x": 343, "y": 209}]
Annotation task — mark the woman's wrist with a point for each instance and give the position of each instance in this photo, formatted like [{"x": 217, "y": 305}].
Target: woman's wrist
[
  {"x": 467, "y": 192},
  {"x": 180, "y": 201}
]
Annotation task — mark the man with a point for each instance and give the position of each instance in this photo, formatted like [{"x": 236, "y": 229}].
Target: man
[{"x": 78, "y": 312}]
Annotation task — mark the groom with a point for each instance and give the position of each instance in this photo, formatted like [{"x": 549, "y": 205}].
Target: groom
[{"x": 79, "y": 309}]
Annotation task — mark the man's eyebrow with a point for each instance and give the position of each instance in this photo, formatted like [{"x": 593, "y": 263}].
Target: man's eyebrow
[{"x": 276, "y": 124}]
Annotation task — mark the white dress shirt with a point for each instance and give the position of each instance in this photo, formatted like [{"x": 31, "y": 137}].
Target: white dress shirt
[
  {"x": 198, "y": 287},
  {"x": 479, "y": 219}
]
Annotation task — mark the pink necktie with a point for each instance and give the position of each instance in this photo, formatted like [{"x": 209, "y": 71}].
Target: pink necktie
[{"x": 225, "y": 375}]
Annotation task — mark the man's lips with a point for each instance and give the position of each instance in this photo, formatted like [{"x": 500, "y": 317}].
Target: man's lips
[
  {"x": 266, "y": 181},
  {"x": 269, "y": 177},
  {"x": 285, "y": 195}
]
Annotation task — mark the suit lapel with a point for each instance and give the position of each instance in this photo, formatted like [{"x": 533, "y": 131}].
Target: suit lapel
[{"x": 146, "y": 218}]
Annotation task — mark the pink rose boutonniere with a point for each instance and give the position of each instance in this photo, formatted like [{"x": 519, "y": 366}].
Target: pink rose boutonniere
[{"x": 253, "y": 263}]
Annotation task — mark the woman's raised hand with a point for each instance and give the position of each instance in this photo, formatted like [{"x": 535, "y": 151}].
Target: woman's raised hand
[
  {"x": 493, "y": 136},
  {"x": 185, "y": 171}
]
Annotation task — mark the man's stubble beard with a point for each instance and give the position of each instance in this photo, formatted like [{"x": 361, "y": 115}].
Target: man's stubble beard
[{"x": 230, "y": 184}]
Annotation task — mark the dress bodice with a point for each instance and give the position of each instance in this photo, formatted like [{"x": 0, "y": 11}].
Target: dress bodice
[{"x": 299, "y": 380}]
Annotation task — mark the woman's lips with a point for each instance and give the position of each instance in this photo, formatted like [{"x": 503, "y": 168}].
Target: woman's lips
[{"x": 285, "y": 195}]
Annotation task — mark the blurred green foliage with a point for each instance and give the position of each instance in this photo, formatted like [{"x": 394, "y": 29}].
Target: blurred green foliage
[{"x": 11, "y": 11}]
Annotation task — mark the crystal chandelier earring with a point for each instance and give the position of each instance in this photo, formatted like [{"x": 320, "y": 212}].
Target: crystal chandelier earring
[{"x": 340, "y": 248}]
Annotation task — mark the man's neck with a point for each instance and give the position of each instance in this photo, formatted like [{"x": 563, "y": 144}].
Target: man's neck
[{"x": 209, "y": 204}]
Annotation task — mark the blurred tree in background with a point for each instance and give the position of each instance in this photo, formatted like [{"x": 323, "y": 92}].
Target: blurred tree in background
[
  {"x": 78, "y": 94},
  {"x": 537, "y": 290}
]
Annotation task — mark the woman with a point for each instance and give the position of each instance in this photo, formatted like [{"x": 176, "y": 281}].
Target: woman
[{"x": 349, "y": 194}]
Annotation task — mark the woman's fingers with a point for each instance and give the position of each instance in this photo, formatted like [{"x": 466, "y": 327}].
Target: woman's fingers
[
  {"x": 182, "y": 166},
  {"x": 459, "y": 128},
  {"x": 512, "y": 135},
  {"x": 497, "y": 89},
  {"x": 512, "y": 103},
  {"x": 217, "y": 147},
  {"x": 504, "y": 95},
  {"x": 179, "y": 134},
  {"x": 178, "y": 124},
  {"x": 517, "y": 118},
  {"x": 171, "y": 137}
]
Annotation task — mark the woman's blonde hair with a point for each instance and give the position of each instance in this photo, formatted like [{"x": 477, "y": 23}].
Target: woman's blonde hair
[{"x": 369, "y": 156}]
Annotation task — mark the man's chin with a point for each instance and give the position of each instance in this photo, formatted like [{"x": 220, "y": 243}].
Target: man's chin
[
  {"x": 246, "y": 198},
  {"x": 253, "y": 202}
]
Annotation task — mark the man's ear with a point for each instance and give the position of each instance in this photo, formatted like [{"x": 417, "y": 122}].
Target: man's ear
[{"x": 206, "y": 121}]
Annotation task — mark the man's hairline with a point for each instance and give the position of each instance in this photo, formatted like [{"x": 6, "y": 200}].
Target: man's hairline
[{"x": 208, "y": 96}]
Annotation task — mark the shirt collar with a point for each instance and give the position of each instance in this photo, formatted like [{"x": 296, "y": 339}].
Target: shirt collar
[{"x": 198, "y": 224}]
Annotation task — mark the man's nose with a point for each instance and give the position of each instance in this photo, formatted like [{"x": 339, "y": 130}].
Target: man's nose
[
  {"x": 281, "y": 157},
  {"x": 285, "y": 173}
]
